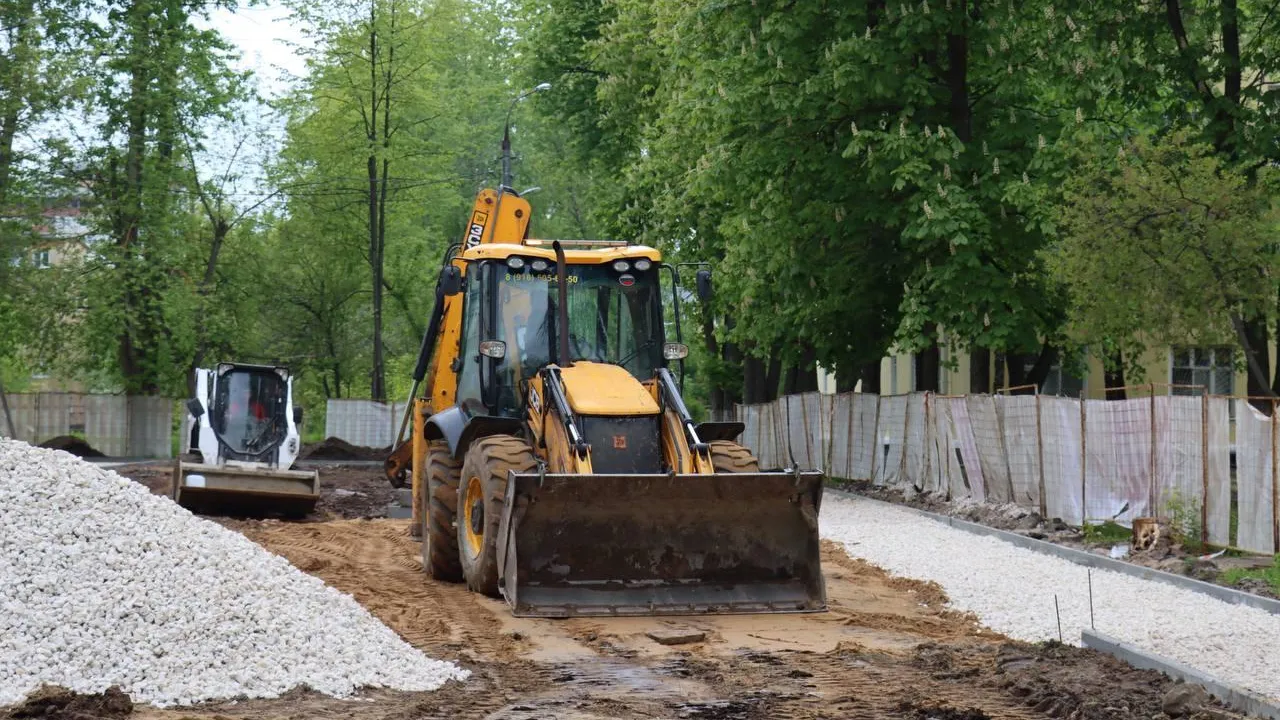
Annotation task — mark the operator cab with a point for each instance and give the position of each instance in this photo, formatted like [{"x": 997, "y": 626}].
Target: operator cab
[
  {"x": 247, "y": 410},
  {"x": 615, "y": 317}
]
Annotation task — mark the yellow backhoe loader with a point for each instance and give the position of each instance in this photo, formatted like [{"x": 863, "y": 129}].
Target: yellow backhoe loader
[{"x": 552, "y": 458}]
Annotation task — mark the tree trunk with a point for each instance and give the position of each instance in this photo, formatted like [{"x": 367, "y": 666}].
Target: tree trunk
[
  {"x": 979, "y": 370},
  {"x": 754, "y": 380},
  {"x": 928, "y": 364},
  {"x": 802, "y": 377},
  {"x": 774, "y": 377},
  {"x": 377, "y": 384},
  {"x": 870, "y": 377},
  {"x": 130, "y": 209},
  {"x": 1255, "y": 339},
  {"x": 1113, "y": 377}
]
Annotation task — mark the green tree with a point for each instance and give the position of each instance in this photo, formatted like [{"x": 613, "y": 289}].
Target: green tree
[{"x": 1168, "y": 244}]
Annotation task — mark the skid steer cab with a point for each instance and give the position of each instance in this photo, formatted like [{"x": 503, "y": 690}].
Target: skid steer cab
[
  {"x": 552, "y": 457},
  {"x": 245, "y": 432}
]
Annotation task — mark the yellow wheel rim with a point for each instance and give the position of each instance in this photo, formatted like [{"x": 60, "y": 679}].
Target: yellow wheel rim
[{"x": 473, "y": 516}]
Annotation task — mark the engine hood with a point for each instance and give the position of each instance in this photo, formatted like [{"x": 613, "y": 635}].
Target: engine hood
[{"x": 603, "y": 389}]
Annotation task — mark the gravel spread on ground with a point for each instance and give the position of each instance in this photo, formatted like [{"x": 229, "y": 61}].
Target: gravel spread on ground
[
  {"x": 1012, "y": 591},
  {"x": 103, "y": 583}
]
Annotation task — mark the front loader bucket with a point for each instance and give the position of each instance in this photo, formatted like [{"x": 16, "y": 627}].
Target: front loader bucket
[
  {"x": 252, "y": 492},
  {"x": 589, "y": 545}
]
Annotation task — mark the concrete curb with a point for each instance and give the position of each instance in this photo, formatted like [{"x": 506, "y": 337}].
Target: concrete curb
[
  {"x": 1238, "y": 698},
  {"x": 1227, "y": 595}
]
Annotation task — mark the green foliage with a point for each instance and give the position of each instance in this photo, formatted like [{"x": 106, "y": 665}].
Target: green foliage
[
  {"x": 1106, "y": 533},
  {"x": 1269, "y": 574},
  {"x": 1165, "y": 243},
  {"x": 1185, "y": 521}
]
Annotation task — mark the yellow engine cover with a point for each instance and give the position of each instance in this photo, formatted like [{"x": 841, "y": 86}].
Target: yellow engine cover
[{"x": 601, "y": 389}]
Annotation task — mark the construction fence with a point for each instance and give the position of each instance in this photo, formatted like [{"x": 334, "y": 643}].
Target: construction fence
[
  {"x": 1078, "y": 460},
  {"x": 114, "y": 425},
  {"x": 365, "y": 423}
]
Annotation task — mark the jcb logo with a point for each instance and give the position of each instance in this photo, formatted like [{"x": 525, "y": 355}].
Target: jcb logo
[
  {"x": 474, "y": 233},
  {"x": 619, "y": 442}
]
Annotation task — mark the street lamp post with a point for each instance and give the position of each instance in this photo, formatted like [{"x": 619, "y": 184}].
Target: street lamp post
[{"x": 507, "y": 178}]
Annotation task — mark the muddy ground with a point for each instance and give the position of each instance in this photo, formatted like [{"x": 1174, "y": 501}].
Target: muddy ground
[
  {"x": 887, "y": 648},
  {"x": 1166, "y": 554},
  {"x": 346, "y": 491}
]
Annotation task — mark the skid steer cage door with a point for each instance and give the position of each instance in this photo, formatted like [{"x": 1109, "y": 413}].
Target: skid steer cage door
[{"x": 592, "y": 545}]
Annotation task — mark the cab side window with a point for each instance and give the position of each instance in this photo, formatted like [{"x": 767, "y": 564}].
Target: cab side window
[{"x": 469, "y": 349}]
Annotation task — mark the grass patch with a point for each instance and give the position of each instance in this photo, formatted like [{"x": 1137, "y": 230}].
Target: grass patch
[
  {"x": 1270, "y": 574},
  {"x": 1106, "y": 533}
]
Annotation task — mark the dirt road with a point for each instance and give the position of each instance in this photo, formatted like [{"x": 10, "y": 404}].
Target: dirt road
[{"x": 885, "y": 650}]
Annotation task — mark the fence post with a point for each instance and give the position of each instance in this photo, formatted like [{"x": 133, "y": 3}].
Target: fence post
[
  {"x": 1084, "y": 460},
  {"x": 1275, "y": 492},
  {"x": 1151, "y": 490},
  {"x": 1204, "y": 465},
  {"x": 1044, "y": 505},
  {"x": 906, "y": 425},
  {"x": 1004, "y": 449},
  {"x": 875, "y": 439}
]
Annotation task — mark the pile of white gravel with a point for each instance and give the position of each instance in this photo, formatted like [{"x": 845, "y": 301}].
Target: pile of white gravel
[
  {"x": 103, "y": 583},
  {"x": 1012, "y": 589}
]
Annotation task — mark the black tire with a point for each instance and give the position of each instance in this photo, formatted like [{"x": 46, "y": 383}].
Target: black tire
[
  {"x": 485, "y": 468},
  {"x": 439, "y": 538},
  {"x": 730, "y": 457}
]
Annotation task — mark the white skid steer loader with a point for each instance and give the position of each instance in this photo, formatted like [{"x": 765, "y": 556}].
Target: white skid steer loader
[{"x": 245, "y": 429}]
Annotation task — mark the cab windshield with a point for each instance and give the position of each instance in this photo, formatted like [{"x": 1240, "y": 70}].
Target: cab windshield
[
  {"x": 614, "y": 317},
  {"x": 248, "y": 411}
]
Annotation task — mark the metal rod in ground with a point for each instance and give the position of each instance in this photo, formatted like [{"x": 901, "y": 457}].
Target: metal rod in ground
[
  {"x": 1058, "y": 613},
  {"x": 1091, "y": 625}
]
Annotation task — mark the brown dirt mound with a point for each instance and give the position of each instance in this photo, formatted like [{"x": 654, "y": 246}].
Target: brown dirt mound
[
  {"x": 73, "y": 445},
  {"x": 338, "y": 449},
  {"x": 57, "y": 703}
]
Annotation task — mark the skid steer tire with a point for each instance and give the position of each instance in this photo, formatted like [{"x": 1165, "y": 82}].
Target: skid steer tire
[
  {"x": 481, "y": 498},
  {"x": 440, "y": 538},
  {"x": 730, "y": 457}
]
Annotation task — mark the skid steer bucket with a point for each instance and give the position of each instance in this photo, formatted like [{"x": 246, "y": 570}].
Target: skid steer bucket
[
  {"x": 254, "y": 492},
  {"x": 590, "y": 545}
]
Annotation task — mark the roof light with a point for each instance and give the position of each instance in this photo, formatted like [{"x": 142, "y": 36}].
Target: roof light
[
  {"x": 642, "y": 264},
  {"x": 621, "y": 266},
  {"x": 539, "y": 265},
  {"x": 515, "y": 263}
]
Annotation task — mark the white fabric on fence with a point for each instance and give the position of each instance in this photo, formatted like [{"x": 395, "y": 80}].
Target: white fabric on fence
[
  {"x": 1017, "y": 415},
  {"x": 1218, "y": 502},
  {"x": 1180, "y": 438},
  {"x": 890, "y": 439},
  {"x": 115, "y": 425},
  {"x": 1118, "y": 462},
  {"x": 916, "y": 463},
  {"x": 960, "y": 462},
  {"x": 1061, "y": 454},
  {"x": 985, "y": 425},
  {"x": 363, "y": 422},
  {"x": 853, "y": 435},
  {"x": 1255, "y": 434}
]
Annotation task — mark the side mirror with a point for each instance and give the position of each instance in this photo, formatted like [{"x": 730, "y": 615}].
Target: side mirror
[
  {"x": 703, "y": 280},
  {"x": 675, "y": 351},
  {"x": 195, "y": 408},
  {"x": 450, "y": 280},
  {"x": 297, "y": 416}
]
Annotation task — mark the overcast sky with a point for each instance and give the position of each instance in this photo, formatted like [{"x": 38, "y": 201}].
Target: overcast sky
[{"x": 263, "y": 34}]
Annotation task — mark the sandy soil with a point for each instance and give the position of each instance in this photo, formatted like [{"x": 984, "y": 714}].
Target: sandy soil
[{"x": 886, "y": 649}]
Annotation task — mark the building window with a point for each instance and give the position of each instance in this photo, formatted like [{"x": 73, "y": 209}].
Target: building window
[
  {"x": 41, "y": 258},
  {"x": 1213, "y": 369}
]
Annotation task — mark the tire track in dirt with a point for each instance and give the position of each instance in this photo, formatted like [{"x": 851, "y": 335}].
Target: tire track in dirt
[
  {"x": 886, "y": 649},
  {"x": 378, "y": 564}
]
